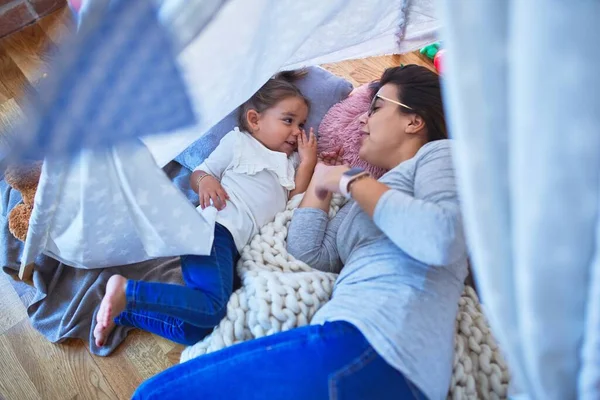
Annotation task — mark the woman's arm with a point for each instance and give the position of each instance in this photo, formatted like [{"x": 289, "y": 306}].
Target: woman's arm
[
  {"x": 312, "y": 238},
  {"x": 428, "y": 225}
]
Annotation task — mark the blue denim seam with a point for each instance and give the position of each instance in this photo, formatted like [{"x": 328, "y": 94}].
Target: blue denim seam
[
  {"x": 130, "y": 292},
  {"x": 153, "y": 318},
  {"x": 365, "y": 358},
  {"x": 221, "y": 288}
]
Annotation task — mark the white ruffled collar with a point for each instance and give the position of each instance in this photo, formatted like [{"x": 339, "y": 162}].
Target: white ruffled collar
[{"x": 250, "y": 157}]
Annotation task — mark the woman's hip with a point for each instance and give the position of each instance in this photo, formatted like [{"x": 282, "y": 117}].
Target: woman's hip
[{"x": 329, "y": 361}]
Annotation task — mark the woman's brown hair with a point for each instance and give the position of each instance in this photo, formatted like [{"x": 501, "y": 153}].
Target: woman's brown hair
[{"x": 419, "y": 88}]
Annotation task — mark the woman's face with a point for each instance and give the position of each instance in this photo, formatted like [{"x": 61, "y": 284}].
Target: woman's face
[{"x": 384, "y": 130}]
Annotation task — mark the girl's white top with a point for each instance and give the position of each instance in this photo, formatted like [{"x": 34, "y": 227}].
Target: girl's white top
[{"x": 258, "y": 181}]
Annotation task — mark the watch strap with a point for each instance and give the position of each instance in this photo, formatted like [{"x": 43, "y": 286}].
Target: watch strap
[{"x": 347, "y": 179}]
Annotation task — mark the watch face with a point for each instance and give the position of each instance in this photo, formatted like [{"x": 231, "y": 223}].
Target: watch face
[{"x": 354, "y": 171}]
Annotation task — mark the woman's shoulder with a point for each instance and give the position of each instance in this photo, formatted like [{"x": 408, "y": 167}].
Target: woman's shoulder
[
  {"x": 439, "y": 151},
  {"x": 437, "y": 146}
]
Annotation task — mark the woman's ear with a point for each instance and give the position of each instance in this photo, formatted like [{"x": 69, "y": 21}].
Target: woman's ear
[
  {"x": 252, "y": 116},
  {"x": 416, "y": 124}
]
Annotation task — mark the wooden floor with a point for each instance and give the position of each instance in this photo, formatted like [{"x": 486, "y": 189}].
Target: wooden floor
[{"x": 30, "y": 366}]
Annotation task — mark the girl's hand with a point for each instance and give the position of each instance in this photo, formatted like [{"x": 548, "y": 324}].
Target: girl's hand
[
  {"x": 332, "y": 157},
  {"x": 209, "y": 189},
  {"x": 307, "y": 148},
  {"x": 326, "y": 179}
]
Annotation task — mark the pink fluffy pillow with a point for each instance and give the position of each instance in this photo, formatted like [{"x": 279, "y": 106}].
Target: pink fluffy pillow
[{"x": 341, "y": 126}]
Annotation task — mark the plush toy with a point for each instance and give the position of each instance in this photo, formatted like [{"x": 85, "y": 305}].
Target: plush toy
[
  {"x": 25, "y": 179},
  {"x": 430, "y": 51},
  {"x": 438, "y": 60},
  {"x": 341, "y": 127}
]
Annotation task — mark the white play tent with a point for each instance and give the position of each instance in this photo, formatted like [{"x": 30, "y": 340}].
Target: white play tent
[
  {"x": 112, "y": 206},
  {"x": 92, "y": 212}
]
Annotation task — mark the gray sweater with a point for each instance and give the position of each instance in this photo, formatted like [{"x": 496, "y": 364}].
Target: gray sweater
[{"x": 402, "y": 272}]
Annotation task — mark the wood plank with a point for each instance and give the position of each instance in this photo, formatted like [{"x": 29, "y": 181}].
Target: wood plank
[
  {"x": 165, "y": 344},
  {"x": 13, "y": 83},
  {"x": 31, "y": 50},
  {"x": 145, "y": 354},
  {"x": 175, "y": 354},
  {"x": 59, "y": 25},
  {"x": 12, "y": 311},
  {"x": 58, "y": 371},
  {"x": 14, "y": 384},
  {"x": 128, "y": 366},
  {"x": 367, "y": 70},
  {"x": 10, "y": 114},
  {"x": 119, "y": 371},
  {"x": 90, "y": 381}
]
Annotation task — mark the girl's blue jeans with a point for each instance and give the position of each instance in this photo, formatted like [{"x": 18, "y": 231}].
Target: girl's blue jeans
[
  {"x": 331, "y": 361},
  {"x": 186, "y": 314}
]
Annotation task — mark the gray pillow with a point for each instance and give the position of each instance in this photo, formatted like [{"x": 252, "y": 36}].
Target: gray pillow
[{"x": 322, "y": 88}]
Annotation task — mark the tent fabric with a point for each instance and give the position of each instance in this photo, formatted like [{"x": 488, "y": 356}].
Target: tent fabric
[
  {"x": 257, "y": 32},
  {"x": 129, "y": 215},
  {"x": 217, "y": 79},
  {"x": 527, "y": 154},
  {"x": 97, "y": 82}
]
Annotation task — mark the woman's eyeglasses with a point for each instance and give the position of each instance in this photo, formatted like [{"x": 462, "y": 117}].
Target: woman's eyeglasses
[{"x": 372, "y": 108}]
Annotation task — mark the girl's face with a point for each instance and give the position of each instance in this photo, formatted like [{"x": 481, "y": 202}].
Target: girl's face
[{"x": 278, "y": 127}]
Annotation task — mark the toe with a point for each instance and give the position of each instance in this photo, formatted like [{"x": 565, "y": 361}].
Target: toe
[{"x": 107, "y": 315}]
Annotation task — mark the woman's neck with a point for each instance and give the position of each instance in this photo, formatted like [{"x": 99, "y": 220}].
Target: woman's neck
[{"x": 407, "y": 151}]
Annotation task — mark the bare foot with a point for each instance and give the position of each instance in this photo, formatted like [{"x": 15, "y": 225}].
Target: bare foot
[{"x": 113, "y": 303}]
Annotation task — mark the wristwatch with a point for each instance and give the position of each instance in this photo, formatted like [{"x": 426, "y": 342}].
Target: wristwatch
[{"x": 350, "y": 176}]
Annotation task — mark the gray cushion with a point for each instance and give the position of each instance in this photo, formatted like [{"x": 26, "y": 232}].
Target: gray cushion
[{"x": 321, "y": 87}]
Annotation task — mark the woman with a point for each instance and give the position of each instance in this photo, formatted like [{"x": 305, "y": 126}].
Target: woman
[{"x": 399, "y": 248}]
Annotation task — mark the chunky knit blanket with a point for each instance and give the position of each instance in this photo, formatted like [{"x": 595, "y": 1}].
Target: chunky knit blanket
[{"x": 279, "y": 293}]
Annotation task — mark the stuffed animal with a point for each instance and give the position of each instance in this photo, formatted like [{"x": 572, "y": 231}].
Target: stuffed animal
[
  {"x": 25, "y": 179},
  {"x": 431, "y": 50}
]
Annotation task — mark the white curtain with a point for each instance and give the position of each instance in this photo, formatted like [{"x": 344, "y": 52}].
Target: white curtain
[{"x": 521, "y": 88}]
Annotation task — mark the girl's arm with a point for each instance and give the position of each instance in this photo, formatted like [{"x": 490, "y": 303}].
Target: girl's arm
[
  {"x": 303, "y": 175},
  {"x": 205, "y": 180},
  {"x": 307, "y": 150}
]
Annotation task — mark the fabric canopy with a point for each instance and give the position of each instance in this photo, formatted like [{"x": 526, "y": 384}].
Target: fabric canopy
[{"x": 110, "y": 205}]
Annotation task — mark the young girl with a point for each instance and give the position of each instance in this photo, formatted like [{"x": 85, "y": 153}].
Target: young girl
[{"x": 242, "y": 185}]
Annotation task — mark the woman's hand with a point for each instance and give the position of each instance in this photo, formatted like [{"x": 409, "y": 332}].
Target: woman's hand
[
  {"x": 326, "y": 179},
  {"x": 332, "y": 157},
  {"x": 307, "y": 148},
  {"x": 209, "y": 188}
]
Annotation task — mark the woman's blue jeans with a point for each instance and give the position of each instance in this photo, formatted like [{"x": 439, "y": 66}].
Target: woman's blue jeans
[
  {"x": 331, "y": 361},
  {"x": 186, "y": 314}
]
